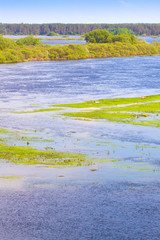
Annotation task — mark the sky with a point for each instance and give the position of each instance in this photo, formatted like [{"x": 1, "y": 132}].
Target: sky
[{"x": 82, "y": 11}]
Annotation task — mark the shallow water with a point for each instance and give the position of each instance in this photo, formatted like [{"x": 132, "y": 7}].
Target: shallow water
[{"x": 120, "y": 200}]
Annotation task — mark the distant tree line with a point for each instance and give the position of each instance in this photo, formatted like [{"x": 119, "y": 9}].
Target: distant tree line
[{"x": 73, "y": 29}]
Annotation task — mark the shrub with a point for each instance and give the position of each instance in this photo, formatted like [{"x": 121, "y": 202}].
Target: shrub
[
  {"x": 104, "y": 36},
  {"x": 6, "y": 43},
  {"x": 28, "y": 41}
]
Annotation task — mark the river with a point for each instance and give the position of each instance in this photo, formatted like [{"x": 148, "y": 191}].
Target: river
[{"x": 114, "y": 202}]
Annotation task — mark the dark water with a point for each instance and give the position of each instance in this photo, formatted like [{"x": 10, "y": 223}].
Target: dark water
[
  {"x": 114, "y": 202},
  {"x": 110, "y": 211}
]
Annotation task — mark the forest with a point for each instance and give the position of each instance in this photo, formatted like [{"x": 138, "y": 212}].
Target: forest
[{"x": 75, "y": 29}]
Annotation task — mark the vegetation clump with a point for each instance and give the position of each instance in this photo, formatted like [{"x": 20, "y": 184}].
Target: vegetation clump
[
  {"x": 104, "y": 36},
  {"x": 6, "y": 43},
  {"x": 31, "y": 49},
  {"x": 31, "y": 156},
  {"x": 138, "y": 111},
  {"x": 52, "y": 34},
  {"x": 28, "y": 41}
]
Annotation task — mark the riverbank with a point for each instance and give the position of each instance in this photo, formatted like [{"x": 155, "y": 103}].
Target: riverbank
[{"x": 17, "y": 53}]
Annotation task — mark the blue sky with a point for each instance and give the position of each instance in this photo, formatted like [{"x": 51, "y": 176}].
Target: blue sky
[{"x": 83, "y": 11}]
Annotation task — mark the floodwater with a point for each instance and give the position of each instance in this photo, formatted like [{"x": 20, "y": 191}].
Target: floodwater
[{"x": 120, "y": 200}]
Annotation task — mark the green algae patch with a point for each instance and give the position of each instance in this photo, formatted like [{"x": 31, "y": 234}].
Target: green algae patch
[
  {"x": 39, "y": 110},
  {"x": 3, "y": 130},
  {"x": 11, "y": 177},
  {"x": 142, "y": 111},
  {"x": 31, "y": 156},
  {"x": 110, "y": 102},
  {"x": 151, "y": 107},
  {"x": 136, "y": 167}
]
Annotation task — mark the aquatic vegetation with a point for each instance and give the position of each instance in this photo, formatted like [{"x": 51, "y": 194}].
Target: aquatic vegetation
[
  {"x": 142, "y": 167},
  {"x": 3, "y": 130},
  {"x": 110, "y": 102},
  {"x": 138, "y": 111},
  {"x": 13, "y": 150},
  {"x": 31, "y": 156},
  {"x": 40, "y": 110},
  {"x": 49, "y": 158},
  {"x": 11, "y": 177}
]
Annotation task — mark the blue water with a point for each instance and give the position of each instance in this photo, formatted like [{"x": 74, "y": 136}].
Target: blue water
[
  {"x": 63, "y": 42},
  {"x": 150, "y": 39},
  {"x": 74, "y": 81},
  {"x": 114, "y": 202},
  {"x": 55, "y": 40}
]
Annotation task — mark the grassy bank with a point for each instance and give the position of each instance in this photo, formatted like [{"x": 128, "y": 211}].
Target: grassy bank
[{"x": 12, "y": 53}]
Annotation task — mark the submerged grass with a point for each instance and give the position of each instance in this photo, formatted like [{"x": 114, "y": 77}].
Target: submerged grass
[
  {"x": 110, "y": 102},
  {"x": 40, "y": 110},
  {"x": 31, "y": 156},
  {"x": 138, "y": 111},
  {"x": 11, "y": 177},
  {"x": 50, "y": 158}
]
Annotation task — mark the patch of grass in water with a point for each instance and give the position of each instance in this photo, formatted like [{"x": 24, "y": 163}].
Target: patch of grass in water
[
  {"x": 124, "y": 110},
  {"x": 34, "y": 139},
  {"x": 11, "y": 177},
  {"x": 138, "y": 166},
  {"x": 152, "y": 107},
  {"x": 27, "y": 155},
  {"x": 110, "y": 102},
  {"x": 39, "y": 110},
  {"x": 3, "y": 130}
]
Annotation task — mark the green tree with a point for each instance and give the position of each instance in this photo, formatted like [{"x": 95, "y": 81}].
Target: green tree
[
  {"x": 52, "y": 34},
  {"x": 117, "y": 31},
  {"x": 104, "y": 36},
  {"x": 28, "y": 41},
  {"x": 97, "y": 36},
  {"x": 6, "y": 43}
]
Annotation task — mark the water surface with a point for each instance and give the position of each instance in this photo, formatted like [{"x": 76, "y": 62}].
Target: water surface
[{"x": 117, "y": 201}]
